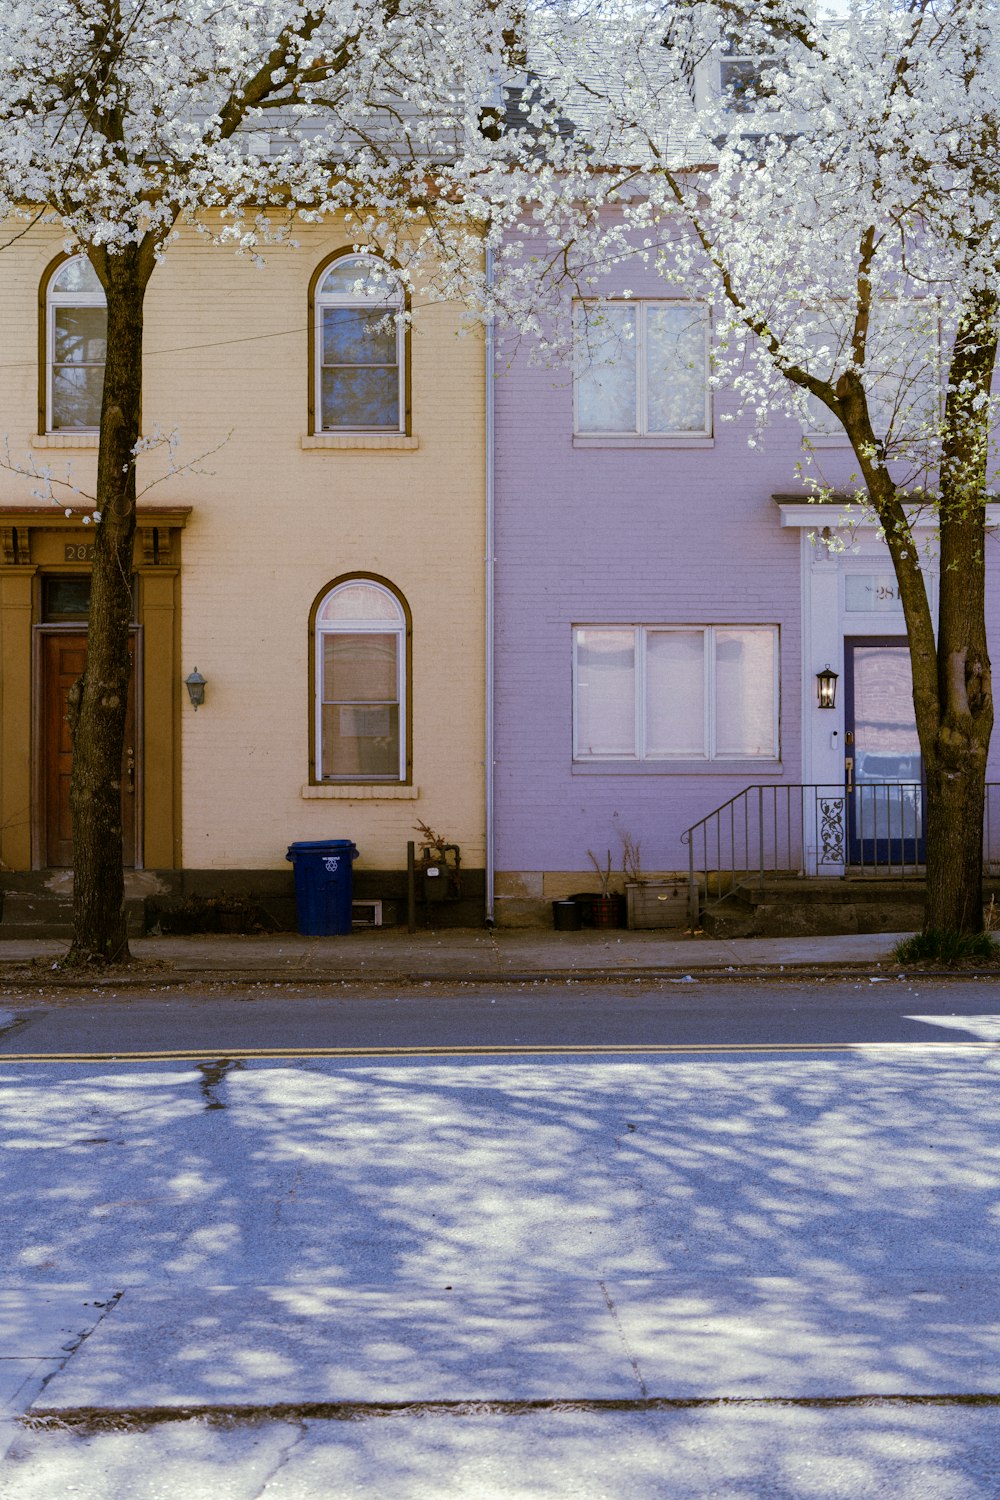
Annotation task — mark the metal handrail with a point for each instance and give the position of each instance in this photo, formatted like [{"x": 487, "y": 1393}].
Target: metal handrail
[{"x": 811, "y": 828}]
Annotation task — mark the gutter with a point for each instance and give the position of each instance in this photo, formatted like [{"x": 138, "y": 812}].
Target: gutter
[{"x": 488, "y": 748}]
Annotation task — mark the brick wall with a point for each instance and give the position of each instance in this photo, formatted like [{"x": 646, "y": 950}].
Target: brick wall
[{"x": 273, "y": 524}]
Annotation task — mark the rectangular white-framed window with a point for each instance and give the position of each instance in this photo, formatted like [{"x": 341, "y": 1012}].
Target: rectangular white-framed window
[
  {"x": 641, "y": 369},
  {"x": 675, "y": 692},
  {"x": 743, "y": 75},
  {"x": 902, "y": 373}
]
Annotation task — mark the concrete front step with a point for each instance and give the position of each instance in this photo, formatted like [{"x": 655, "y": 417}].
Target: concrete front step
[
  {"x": 821, "y": 908},
  {"x": 44, "y": 914}
]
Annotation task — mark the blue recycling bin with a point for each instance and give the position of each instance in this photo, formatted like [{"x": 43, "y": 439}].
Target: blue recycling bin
[{"x": 323, "y": 885}]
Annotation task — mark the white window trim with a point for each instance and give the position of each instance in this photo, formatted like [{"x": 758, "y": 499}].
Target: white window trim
[
  {"x": 339, "y": 299},
  {"x": 361, "y": 627},
  {"x": 54, "y": 299},
  {"x": 759, "y": 61},
  {"x": 711, "y": 755},
  {"x": 640, "y": 431}
]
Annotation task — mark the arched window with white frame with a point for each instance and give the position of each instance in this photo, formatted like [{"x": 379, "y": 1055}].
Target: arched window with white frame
[
  {"x": 360, "y": 728},
  {"x": 359, "y": 347},
  {"x": 76, "y": 335}
]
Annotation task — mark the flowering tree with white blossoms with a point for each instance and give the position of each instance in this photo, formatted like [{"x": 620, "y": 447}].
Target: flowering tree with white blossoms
[
  {"x": 121, "y": 119},
  {"x": 845, "y": 171},
  {"x": 832, "y": 188}
]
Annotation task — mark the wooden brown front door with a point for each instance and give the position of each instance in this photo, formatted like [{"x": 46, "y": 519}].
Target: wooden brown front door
[{"x": 64, "y": 655}]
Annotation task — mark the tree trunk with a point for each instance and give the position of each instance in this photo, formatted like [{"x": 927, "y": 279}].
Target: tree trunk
[
  {"x": 952, "y": 693},
  {"x": 955, "y": 756},
  {"x": 98, "y": 713},
  {"x": 954, "y": 829}
]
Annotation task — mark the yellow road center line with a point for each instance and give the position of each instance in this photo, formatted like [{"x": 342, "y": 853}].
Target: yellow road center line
[{"x": 514, "y": 1050}]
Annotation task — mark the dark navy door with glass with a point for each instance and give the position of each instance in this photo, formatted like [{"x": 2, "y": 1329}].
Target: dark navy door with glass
[{"x": 885, "y": 803}]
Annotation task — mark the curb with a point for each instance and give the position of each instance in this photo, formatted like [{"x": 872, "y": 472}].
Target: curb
[{"x": 299, "y": 978}]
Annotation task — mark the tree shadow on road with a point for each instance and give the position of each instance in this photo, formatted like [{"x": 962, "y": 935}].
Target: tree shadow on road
[{"x": 801, "y": 1228}]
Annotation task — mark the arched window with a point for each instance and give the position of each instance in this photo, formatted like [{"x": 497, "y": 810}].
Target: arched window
[
  {"x": 361, "y": 674},
  {"x": 76, "y": 332},
  {"x": 359, "y": 346}
]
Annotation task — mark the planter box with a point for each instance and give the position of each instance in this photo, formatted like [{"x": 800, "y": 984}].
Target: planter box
[{"x": 657, "y": 903}]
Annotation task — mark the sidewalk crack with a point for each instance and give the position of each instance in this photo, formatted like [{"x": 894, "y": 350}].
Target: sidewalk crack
[
  {"x": 295, "y": 1438},
  {"x": 612, "y": 1309}
]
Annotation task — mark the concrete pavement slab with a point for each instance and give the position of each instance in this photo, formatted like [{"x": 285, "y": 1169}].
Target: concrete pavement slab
[
  {"x": 625, "y": 952},
  {"x": 811, "y": 1338},
  {"x": 472, "y": 953},
  {"x": 39, "y": 1329},
  {"x": 756, "y": 1452},
  {"x": 15, "y": 1374},
  {"x": 760, "y": 1337},
  {"x": 190, "y": 1460},
  {"x": 392, "y": 952},
  {"x": 254, "y": 1346},
  {"x": 41, "y": 1322}
]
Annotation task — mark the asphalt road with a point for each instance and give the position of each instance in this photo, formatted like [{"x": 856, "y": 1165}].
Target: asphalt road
[
  {"x": 572, "y": 1242},
  {"x": 221, "y": 1020}
]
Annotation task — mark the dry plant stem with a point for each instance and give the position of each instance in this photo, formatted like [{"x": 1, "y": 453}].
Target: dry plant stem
[
  {"x": 604, "y": 872},
  {"x": 431, "y": 842},
  {"x": 631, "y": 855}
]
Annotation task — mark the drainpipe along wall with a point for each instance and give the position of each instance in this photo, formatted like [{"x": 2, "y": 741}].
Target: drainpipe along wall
[{"x": 489, "y": 736}]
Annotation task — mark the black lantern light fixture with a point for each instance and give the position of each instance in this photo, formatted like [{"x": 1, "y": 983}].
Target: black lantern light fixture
[
  {"x": 826, "y": 687},
  {"x": 195, "y": 684}
]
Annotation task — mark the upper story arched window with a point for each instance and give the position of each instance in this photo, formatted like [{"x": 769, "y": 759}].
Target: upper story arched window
[
  {"x": 361, "y": 672},
  {"x": 76, "y": 332},
  {"x": 359, "y": 348}
]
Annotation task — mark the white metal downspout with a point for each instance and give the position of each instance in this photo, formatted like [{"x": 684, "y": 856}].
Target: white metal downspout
[{"x": 490, "y": 474}]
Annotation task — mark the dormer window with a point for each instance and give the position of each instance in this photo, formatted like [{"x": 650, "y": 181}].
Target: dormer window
[{"x": 743, "y": 75}]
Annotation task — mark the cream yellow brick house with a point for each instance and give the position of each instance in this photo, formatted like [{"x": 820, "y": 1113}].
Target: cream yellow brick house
[{"x": 320, "y": 564}]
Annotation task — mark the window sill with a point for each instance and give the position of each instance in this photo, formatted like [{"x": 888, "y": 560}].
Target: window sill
[
  {"x": 748, "y": 769},
  {"x": 360, "y": 791},
  {"x": 391, "y": 442},
  {"x": 66, "y": 440},
  {"x": 628, "y": 440}
]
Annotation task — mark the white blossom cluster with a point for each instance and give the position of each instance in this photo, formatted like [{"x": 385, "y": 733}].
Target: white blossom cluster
[
  {"x": 121, "y": 118},
  {"x": 830, "y": 184}
]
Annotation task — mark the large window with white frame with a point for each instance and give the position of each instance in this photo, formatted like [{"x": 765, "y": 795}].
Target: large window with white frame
[
  {"x": 675, "y": 692},
  {"x": 359, "y": 343},
  {"x": 76, "y": 334},
  {"x": 641, "y": 369},
  {"x": 360, "y": 676}
]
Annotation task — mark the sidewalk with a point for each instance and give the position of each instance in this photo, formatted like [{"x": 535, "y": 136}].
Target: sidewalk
[{"x": 470, "y": 955}]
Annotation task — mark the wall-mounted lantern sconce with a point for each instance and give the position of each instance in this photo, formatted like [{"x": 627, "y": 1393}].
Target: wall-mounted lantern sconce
[
  {"x": 826, "y": 687},
  {"x": 195, "y": 684}
]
